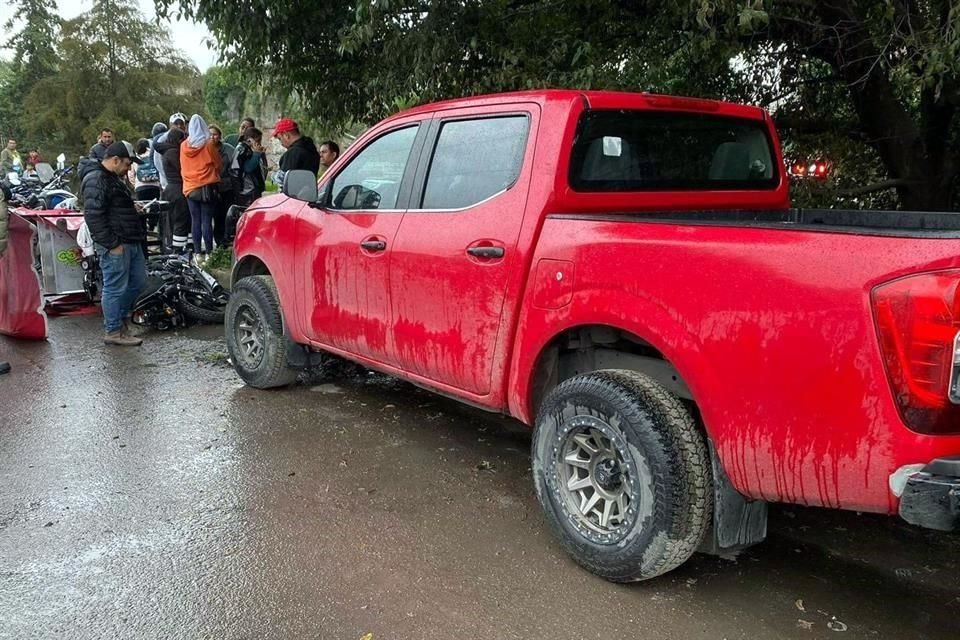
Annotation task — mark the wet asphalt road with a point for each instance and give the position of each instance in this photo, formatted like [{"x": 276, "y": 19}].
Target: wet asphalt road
[{"x": 146, "y": 493}]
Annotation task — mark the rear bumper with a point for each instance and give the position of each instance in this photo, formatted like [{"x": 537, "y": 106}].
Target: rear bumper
[{"x": 931, "y": 497}]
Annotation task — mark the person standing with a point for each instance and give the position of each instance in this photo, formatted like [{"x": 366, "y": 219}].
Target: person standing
[
  {"x": 250, "y": 167},
  {"x": 201, "y": 167},
  {"x": 146, "y": 178},
  {"x": 301, "y": 151},
  {"x": 169, "y": 151},
  {"x": 98, "y": 151},
  {"x": 10, "y": 160},
  {"x": 159, "y": 134},
  {"x": 156, "y": 132},
  {"x": 234, "y": 138},
  {"x": 226, "y": 184},
  {"x": 118, "y": 236},
  {"x": 329, "y": 152}
]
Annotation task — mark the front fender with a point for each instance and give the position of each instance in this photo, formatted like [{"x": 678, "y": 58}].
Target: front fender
[{"x": 267, "y": 236}]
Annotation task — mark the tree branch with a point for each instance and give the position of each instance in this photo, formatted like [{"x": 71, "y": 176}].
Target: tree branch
[{"x": 883, "y": 185}]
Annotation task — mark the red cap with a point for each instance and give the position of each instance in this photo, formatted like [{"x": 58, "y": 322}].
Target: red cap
[{"x": 284, "y": 125}]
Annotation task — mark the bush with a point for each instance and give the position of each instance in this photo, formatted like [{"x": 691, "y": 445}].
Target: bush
[{"x": 220, "y": 258}]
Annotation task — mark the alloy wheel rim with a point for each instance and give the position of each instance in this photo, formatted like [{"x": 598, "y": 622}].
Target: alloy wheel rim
[
  {"x": 249, "y": 334},
  {"x": 596, "y": 479}
]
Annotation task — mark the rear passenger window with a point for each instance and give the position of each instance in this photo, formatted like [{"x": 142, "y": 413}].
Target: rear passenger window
[{"x": 473, "y": 160}]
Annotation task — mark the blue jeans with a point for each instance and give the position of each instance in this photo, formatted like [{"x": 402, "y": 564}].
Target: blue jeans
[
  {"x": 202, "y": 214},
  {"x": 123, "y": 279}
]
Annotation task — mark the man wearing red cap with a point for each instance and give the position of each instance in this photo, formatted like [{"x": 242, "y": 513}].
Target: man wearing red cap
[{"x": 301, "y": 151}]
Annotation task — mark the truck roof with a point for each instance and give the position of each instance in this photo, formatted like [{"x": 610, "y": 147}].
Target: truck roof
[{"x": 597, "y": 100}]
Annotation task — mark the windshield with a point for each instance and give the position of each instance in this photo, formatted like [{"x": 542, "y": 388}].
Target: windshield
[{"x": 660, "y": 150}]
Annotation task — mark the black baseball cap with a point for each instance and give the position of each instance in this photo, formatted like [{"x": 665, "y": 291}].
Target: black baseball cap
[{"x": 121, "y": 150}]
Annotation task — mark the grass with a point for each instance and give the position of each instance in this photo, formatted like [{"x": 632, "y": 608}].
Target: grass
[{"x": 220, "y": 258}]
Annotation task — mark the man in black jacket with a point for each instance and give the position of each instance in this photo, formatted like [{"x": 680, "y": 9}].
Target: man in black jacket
[
  {"x": 98, "y": 150},
  {"x": 118, "y": 236},
  {"x": 301, "y": 151}
]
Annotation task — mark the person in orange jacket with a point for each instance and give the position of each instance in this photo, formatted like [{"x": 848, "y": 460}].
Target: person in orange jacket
[{"x": 201, "y": 166}]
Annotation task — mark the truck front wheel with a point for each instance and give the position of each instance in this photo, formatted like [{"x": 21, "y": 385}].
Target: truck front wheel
[
  {"x": 622, "y": 474},
  {"x": 254, "y": 331}
]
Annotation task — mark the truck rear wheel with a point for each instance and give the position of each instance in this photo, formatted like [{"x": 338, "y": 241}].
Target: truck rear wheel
[
  {"x": 254, "y": 330},
  {"x": 623, "y": 475}
]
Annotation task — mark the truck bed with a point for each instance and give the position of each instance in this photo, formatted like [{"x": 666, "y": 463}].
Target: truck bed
[{"x": 767, "y": 317}]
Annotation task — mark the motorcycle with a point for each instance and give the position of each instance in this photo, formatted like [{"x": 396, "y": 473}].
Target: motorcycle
[
  {"x": 43, "y": 188},
  {"x": 178, "y": 293}
]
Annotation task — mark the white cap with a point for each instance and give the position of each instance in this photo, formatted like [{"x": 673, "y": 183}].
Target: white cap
[{"x": 178, "y": 116}]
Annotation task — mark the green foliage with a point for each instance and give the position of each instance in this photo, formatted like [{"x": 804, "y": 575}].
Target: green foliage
[
  {"x": 114, "y": 69},
  {"x": 224, "y": 94},
  {"x": 34, "y": 30},
  {"x": 220, "y": 258},
  {"x": 873, "y": 81}
]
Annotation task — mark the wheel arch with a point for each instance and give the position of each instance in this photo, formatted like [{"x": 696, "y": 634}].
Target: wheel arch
[
  {"x": 249, "y": 265},
  {"x": 593, "y": 346}
]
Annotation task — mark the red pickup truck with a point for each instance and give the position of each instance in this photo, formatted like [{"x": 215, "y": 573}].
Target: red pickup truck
[{"x": 624, "y": 272}]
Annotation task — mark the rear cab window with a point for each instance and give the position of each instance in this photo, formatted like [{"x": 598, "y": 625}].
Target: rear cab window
[{"x": 640, "y": 150}]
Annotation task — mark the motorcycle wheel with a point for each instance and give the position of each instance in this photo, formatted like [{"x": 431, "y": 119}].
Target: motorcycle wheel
[{"x": 199, "y": 306}]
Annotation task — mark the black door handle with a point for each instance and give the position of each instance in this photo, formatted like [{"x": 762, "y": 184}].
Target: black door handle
[
  {"x": 486, "y": 252},
  {"x": 374, "y": 245}
]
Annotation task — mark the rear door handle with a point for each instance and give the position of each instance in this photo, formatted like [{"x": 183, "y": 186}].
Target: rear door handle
[
  {"x": 374, "y": 245},
  {"x": 486, "y": 252}
]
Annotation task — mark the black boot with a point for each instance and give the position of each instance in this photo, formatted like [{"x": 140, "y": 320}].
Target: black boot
[{"x": 4, "y": 368}]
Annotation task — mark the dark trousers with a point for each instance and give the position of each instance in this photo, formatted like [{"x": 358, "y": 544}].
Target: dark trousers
[
  {"x": 179, "y": 215},
  {"x": 202, "y": 214},
  {"x": 220, "y": 217}
]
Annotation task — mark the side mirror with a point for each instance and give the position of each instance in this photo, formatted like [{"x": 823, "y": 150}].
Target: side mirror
[
  {"x": 300, "y": 185},
  {"x": 356, "y": 196}
]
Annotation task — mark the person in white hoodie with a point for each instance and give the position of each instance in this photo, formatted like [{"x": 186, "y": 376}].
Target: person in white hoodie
[{"x": 200, "y": 167}]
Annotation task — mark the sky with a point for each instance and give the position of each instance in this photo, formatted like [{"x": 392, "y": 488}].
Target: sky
[{"x": 187, "y": 36}]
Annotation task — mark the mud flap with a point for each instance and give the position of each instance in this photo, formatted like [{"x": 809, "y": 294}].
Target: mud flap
[
  {"x": 738, "y": 522},
  {"x": 301, "y": 356}
]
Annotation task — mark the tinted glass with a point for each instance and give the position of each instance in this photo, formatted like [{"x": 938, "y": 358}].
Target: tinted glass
[
  {"x": 655, "y": 150},
  {"x": 372, "y": 179},
  {"x": 473, "y": 160}
]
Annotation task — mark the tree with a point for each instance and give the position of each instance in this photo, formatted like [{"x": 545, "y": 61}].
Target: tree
[
  {"x": 35, "y": 55},
  {"x": 117, "y": 70},
  {"x": 224, "y": 94},
  {"x": 879, "y": 75}
]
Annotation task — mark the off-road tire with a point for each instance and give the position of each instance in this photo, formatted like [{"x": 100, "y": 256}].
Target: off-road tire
[
  {"x": 258, "y": 295},
  {"x": 671, "y": 461}
]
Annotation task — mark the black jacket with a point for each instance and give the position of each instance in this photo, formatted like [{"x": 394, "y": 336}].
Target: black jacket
[
  {"x": 170, "y": 157},
  {"x": 108, "y": 207},
  {"x": 303, "y": 155},
  {"x": 98, "y": 151}
]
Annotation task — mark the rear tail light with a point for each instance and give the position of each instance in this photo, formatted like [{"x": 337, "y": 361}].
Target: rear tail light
[{"x": 918, "y": 319}]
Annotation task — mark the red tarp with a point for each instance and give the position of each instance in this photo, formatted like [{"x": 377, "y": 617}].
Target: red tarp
[
  {"x": 72, "y": 220},
  {"x": 21, "y": 302}
]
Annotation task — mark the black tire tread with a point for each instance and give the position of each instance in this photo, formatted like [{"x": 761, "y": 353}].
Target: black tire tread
[
  {"x": 277, "y": 372},
  {"x": 689, "y": 492},
  {"x": 199, "y": 313}
]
